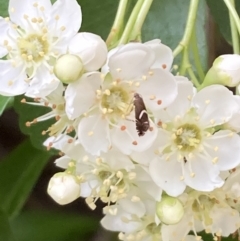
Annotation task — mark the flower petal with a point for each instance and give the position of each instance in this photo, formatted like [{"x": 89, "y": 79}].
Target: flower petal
[
  {"x": 164, "y": 55},
  {"x": 159, "y": 90},
  {"x": 223, "y": 146},
  {"x": 215, "y": 105},
  {"x": 93, "y": 134},
  {"x": 90, "y": 48},
  {"x": 19, "y": 9},
  {"x": 70, "y": 16},
  {"x": 12, "y": 79},
  {"x": 206, "y": 174},
  {"x": 80, "y": 95},
  {"x": 166, "y": 174},
  {"x": 131, "y": 61},
  {"x": 127, "y": 140}
]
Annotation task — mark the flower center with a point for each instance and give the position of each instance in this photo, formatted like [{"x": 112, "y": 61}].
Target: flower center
[
  {"x": 188, "y": 137},
  {"x": 33, "y": 47},
  {"x": 116, "y": 100}
]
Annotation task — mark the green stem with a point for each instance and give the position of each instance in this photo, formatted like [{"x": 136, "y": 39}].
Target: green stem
[
  {"x": 192, "y": 14},
  {"x": 140, "y": 19},
  {"x": 234, "y": 31},
  {"x": 131, "y": 21},
  {"x": 196, "y": 56},
  {"x": 118, "y": 22},
  {"x": 234, "y": 13}
]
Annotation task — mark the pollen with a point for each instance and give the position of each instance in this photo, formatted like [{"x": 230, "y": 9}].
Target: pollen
[
  {"x": 207, "y": 102},
  {"x": 90, "y": 133},
  {"x": 123, "y": 128},
  {"x": 215, "y": 160},
  {"x": 107, "y": 92},
  {"x": 134, "y": 143},
  {"x": 159, "y": 102},
  {"x": 192, "y": 174},
  {"x": 118, "y": 70},
  {"x": 144, "y": 77},
  {"x": 152, "y": 97},
  {"x": 164, "y": 66}
]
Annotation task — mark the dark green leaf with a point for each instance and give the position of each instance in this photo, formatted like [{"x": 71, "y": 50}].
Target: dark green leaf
[
  {"x": 4, "y": 8},
  {"x": 18, "y": 174},
  {"x": 4, "y": 101},
  {"x": 53, "y": 226},
  {"x": 5, "y": 230},
  {"x": 220, "y": 14},
  {"x": 167, "y": 19}
]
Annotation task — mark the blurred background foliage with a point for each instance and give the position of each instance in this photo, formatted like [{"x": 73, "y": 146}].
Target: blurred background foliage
[{"x": 26, "y": 212}]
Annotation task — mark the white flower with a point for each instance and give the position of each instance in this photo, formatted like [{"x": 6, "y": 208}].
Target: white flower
[
  {"x": 37, "y": 34},
  {"x": 192, "y": 150},
  {"x": 63, "y": 188},
  {"x": 107, "y": 102}
]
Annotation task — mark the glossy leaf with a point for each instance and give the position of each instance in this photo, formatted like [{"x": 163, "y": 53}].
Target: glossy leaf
[
  {"x": 167, "y": 19},
  {"x": 5, "y": 230},
  {"x": 18, "y": 174},
  {"x": 220, "y": 14},
  {"x": 53, "y": 226}
]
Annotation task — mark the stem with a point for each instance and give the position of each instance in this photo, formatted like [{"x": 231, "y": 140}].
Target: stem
[
  {"x": 234, "y": 32},
  {"x": 118, "y": 22},
  {"x": 192, "y": 14},
  {"x": 234, "y": 13},
  {"x": 131, "y": 22},
  {"x": 197, "y": 56},
  {"x": 140, "y": 19}
]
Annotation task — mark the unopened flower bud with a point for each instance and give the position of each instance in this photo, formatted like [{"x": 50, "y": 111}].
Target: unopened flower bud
[
  {"x": 68, "y": 68},
  {"x": 225, "y": 71},
  {"x": 63, "y": 188},
  {"x": 169, "y": 210}
]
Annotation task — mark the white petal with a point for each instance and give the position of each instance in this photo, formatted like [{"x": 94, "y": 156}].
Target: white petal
[
  {"x": 166, "y": 174},
  {"x": 164, "y": 55},
  {"x": 115, "y": 223},
  {"x": 206, "y": 174},
  {"x": 43, "y": 83},
  {"x": 80, "y": 95},
  {"x": 225, "y": 219},
  {"x": 70, "y": 16},
  {"x": 63, "y": 161},
  {"x": 18, "y": 9},
  {"x": 224, "y": 146},
  {"x": 182, "y": 102},
  {"x": 12, "y": 79},
  {"x": 159, "y": 90},
  {"x": 215, "y": 105},
  {"x": 131, "y": 61},
  {"x": 90, "y": 48},
  {"x": 93, "y": 134},
  {"x": 128, "y": 140},
  {"x": 136, "y": 208}
]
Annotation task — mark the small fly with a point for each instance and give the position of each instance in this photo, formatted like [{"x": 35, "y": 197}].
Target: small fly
[{"x": 141, "y": 116}]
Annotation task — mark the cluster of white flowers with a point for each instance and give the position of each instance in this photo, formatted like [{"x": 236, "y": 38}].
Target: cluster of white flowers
[{"x": 162, "y": 156}]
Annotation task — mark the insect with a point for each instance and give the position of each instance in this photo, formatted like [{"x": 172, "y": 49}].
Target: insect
[{"x": 141, "y": 116}]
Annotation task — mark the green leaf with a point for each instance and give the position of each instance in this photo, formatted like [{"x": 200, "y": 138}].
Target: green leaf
[
  {"x": 5, "y": 230},
  {"x": 4, "y": 101},
  {"x": 4, "y": 8},
  {"x": 220, "y": 14},
  {"x": 167, "y": 19},
  {"x": 19, "y": 172},
  {"x": 53, "y": 226}
]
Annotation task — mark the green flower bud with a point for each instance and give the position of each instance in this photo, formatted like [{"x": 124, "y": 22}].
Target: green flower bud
[
  {"x": 68, "y": 68},
  {"x": 169, "y": 210}
]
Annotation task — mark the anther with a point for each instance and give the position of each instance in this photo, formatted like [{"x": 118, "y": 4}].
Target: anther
[
  {"x": 164, "y": 66},
  {"x": 30, "y": 57},
  {"x": 57, "y": 117},
  {"x": 144, "y": 77},
  {"x": 134, "y": 143},
  {"x": 44, "y": 133},
  {"x": 150, "y": 128},
  {"x": 109, "y": 110},
  {"x": 192, "y": 174},
  {"x": 42, "y": 8},
  {"x": 137, "y": 84},
  {"x": 10, "y": 83},
  {"x": 207, "y": 102},
  {"x": 150, "y": 73},
  {"x": 28, "y": 124},
  {"x": 212, "y": 121},
  {"x": 181, "y": 178},
  {"x": 35, "y": 5},
  {"x": 23, "y": 100},
  {"x": 107, "y": 92},
  {"x": 215, "y": 160},
  {"x": 71, "y": 164},
  {"x": 159, "y": 123},
  {"x": 123, "y": 128},
  {"x": 62, "y": 28},
  {"x": 135, "y": 199},
  {"x": 33, "y": 20},
  {"x": 5, "y": 42},
  {"x": 159, "y": 102},
  {"x": 70, "y": 141},
  {"x": 90, "y": 133},
  {"x": 189, "y": 97},
  {"x": 118, "y": 70},
  {"x": 12, "y": 10},
  {"x": 57, "y": 17},
  {"x": 104, "y": 110},
  {"x": 152, "y": 97}
]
